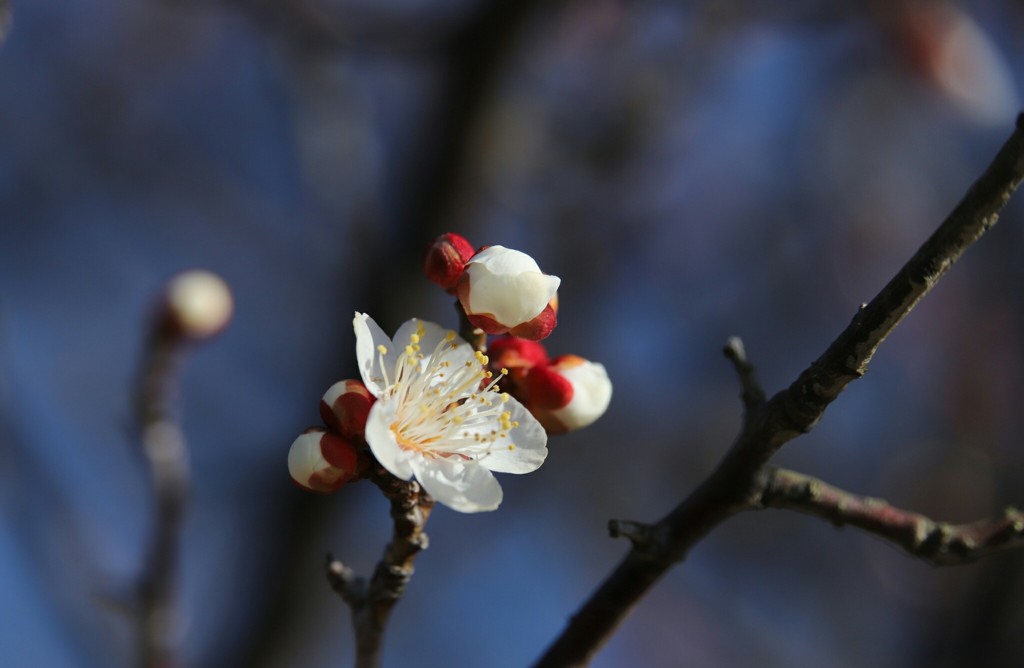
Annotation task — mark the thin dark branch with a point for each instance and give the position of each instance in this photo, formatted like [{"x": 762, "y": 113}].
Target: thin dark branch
[
  {"x": 938, "y": 543},
  {"x": 732, "y": 486},
  {"x": 372, "y": 601},
  {"x": 195, "y": 306},
  {"x": 753, "y": 394}
]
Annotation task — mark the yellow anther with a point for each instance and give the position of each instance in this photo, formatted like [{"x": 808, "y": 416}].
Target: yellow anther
[
  {"x": 505, "y": 396},
  {"x": 504, "y": 371},
  {"x": 511, "y": 446},
  {"x": 409, "y": 351},
  {"x": 381, "y": 349},
  {"x": 415, "y": 338},
  {"x": 449, "y": 335}
]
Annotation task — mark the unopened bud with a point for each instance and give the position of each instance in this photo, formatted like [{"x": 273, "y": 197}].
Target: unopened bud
[
  {"x": 322, "y": 461},
  {"x": 570, "y": 394},
  {"x": 345, "y": 406},
  {"x": 512, "y": 352},
  {"x": 446, "y": 259},
  {"x": 198, "y": 304},
  {"x": 503, "y": 290}
]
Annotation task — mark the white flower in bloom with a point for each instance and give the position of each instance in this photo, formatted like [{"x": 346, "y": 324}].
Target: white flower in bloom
[
  {"x": 439, "y": 416},
  {"x": 503, "y": 289}
]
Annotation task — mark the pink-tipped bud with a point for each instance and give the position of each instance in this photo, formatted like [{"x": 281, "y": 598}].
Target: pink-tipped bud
[
  {"x": 345, "y": 406},
  {"x": 321, "y": 461},
  {"x": 511, "y": 352},
  {"x": 446, "y": 259},
  {"x": 569, "y": 394},
  {"x": 503, "y": 290}
]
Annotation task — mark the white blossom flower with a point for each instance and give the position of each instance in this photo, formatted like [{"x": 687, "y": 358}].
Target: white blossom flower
[
  {"x": 439, "y": 416},
  {"x": 503, "y": 290}
]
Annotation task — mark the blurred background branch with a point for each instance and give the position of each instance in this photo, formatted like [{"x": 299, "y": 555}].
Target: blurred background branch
[{"x": 195, "y": 306}]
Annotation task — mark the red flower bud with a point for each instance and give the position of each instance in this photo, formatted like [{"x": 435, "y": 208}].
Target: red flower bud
[
  {"x": 446, "y": 259},
  {"x": 547, "y": 389},
  {"x": 321, "y": 461},
  {"x": 569, "y": 394},
  {"x": 512, "y": 352},
  {"x": 344, "y": 408}
]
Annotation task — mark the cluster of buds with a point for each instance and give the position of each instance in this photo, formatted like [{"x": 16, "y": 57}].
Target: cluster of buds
[
  {"x": 432, "y": 407},
  {"x": 502, "y": 291},
  {"x": 323, "y": 459},
  {"x": 564, "y": 394}
]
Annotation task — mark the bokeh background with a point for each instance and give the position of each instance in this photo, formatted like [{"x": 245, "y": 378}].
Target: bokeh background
[{"x": 690, "y": 170}]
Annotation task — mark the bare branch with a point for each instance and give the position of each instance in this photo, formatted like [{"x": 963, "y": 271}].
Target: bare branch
[
  {"x": 753, "y": 394},
  {"x": 732, "y": 486},
  {"x": 371, "y": 602},
  {"x": 938, "y": 543},
  {"x": 195, "y": 306}
]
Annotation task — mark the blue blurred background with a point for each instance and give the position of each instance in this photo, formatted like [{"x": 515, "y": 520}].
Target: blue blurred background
[{"x": 690, "y": 170}]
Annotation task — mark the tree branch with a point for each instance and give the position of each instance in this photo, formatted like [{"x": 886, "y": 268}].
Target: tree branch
[
  {"x": 732, "y": 486},
  {"x": 938, "y": 543},
  {"x": 195, "y": 306},
  {"x": 371, "y": 602},
  {"x": 753, "y": 394}
]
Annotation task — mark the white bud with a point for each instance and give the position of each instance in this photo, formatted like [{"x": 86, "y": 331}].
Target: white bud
[
  {"x": 505, "y": 286},
  {"x": 592, "y": 392},
  {"x": 199, "y": 302}
]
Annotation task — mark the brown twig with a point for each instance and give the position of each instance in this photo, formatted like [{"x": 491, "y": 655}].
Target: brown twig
[
  {"x": 938, "y": 543},
  {"x": 195, "y": 306},
  {"x": 372, "y": 601},
  {"x": 732, "y": 486}
]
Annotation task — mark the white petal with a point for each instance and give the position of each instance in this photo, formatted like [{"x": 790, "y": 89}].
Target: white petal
[
  {"x": 382, "y": 441},
  {"x": 433, "y": 334},
  {"x": 592, "y": 391},
  {"x": 501, "y": 260},
  {"x": 530, "y": 441},
  {"x": 369, "y": 335},
  {"x": 461, "y": 485}
]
